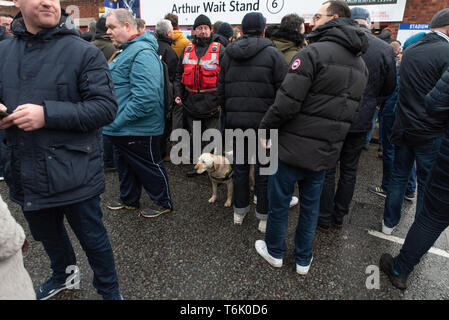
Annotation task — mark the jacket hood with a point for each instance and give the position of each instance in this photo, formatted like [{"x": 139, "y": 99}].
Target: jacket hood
[
  {"x": 64, "y": 27},
  {"x": 343, "y": 31},
  {"x": 219, "y": 38},
  {"x": 146, "y": 37},
  {"x": 284, "y": 45},
  {"x": 280, "y": 34},
  {"x": 247, "y": 47},
  {"x": 177, "y": 34}
]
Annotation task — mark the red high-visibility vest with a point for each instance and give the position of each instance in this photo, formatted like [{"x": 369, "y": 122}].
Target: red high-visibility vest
[{"x": 201, "y": 75}]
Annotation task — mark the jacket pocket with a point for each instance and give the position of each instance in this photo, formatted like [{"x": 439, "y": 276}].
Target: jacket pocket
[
  {"x": 188, "y": 77},
  {"x": 209, "y": 78},
  {"x": 67, "y": 167}
]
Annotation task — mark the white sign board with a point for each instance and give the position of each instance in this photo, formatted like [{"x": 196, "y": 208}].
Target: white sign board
[
  {"x": 233, "y": 11},
  {"x": 406, "y": 30}
]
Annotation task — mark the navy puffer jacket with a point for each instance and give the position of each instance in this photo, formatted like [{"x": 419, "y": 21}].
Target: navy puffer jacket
[{"x": 61, "y": 163}]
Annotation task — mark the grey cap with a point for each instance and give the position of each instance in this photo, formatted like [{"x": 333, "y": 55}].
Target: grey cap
[
  {"x": 440, "y": 19},
  {"x": 360, "y": 13}
]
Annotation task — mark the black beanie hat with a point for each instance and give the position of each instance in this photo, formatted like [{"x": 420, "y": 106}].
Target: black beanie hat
[
  {"x": 101, "y": 25},
  {"x": 253, "y": 23},
  {"x": 225, "y": 29},
  {"x": 440, "y": 19},
  {"x": 202, "y": 20}
]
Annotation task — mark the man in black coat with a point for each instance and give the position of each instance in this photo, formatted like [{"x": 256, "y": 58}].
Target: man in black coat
[
  {"x": 381, "y": 63},
  {"x": 251, "y": 72},
  {"x": 59, "y": 92},
  {"x": 196, "y": 81},
  {"x": 434, "y": 216},
  {"x": 313, "y": 111},
  {"x": 416, "y": 133}
]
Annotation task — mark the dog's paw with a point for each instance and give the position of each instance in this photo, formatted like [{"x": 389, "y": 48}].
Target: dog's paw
[
  {"x": 212, "y": 200},
  {"x": 228, "y": 203}
]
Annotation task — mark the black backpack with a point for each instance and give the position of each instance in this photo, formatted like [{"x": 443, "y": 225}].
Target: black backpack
[{"x": 168, "y": 87}]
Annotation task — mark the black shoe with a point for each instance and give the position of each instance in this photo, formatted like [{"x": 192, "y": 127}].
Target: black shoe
[
  {"x": 409, "y": 196},
  {"x": 386, "y": 264},
  {"x": 323, "y": 227},
  {"x": 192, "y": 173},
  {"x": 337, "y": 224}
]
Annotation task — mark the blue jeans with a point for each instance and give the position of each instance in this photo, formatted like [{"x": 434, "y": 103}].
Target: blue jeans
[
  {"x": 373, "y": 125},
  {"x": 280, "y": 191},
  {"x": 85, "y": 219},
  {"x": 404, "y": 158},
  {"x": 430, "y": 223},
  {"x": 139, "y": 163},
  {"x": 388, "y": 154}
]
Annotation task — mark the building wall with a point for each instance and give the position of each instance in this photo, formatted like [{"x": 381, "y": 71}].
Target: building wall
[{"x": 416, "y": 11}]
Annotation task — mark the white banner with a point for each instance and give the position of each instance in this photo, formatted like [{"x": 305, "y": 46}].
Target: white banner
[{"x": 233, "y": 11}]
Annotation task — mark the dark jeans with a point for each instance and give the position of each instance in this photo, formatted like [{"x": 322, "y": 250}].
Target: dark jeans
[
  {"x": 165, "y": 139},
  {"x": 139, "y": 164},
  {"x": 280, "y": 191},
  {"x": 430, "y": 223},
  {"x": 404, "y": 157},
  {"x": 334, "y": 205},
  {"x": 85, "y": 219},
  {"x": 209, "y": 123},
  {"x": 376, "y": 115},
  {"x": 388, "y": 154},
  {"x": 2, "y": 136},
  {"x": 108, "y": 155}
]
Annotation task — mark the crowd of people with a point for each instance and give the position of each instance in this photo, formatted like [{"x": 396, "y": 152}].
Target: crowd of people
[{"x": 75, "y": 107}]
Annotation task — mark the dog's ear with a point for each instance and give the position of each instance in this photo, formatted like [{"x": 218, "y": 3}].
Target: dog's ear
[{"x": 218, "y": 161}]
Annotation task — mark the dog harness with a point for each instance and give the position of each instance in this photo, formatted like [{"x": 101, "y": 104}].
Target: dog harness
[{"x": 228, "y": 175}]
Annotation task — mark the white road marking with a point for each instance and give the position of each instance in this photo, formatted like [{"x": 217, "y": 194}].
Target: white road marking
[{"x": 381, "y": 235}]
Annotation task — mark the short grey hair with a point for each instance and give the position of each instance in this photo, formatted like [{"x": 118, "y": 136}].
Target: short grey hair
[
  {"x": 162, "y": 27},
  {"x": 123, "y": 16}
]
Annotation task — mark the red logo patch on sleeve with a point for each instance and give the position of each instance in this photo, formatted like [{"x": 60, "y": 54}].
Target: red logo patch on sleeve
[{"x": 296, "y": 64}]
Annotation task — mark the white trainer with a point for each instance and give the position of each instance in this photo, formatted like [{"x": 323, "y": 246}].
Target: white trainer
[
  {"x": 238, "y": 218},
  {"x": 303, "y": 270},
  {"x": 386, "y": 230},
  {"x": 262, "y": 226},
  {"x": 261, "y": 248}
]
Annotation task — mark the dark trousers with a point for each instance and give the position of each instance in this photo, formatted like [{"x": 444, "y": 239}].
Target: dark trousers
[
  {"x": 108, "y": 155},
  {"x": 388, "y": 154},
  {"x": 209, "y": 123},
  {"x": 139, "y": 164},
  {"x": 404, "y": 158},
  {"x": 430, "y": 223},
  {"x": 334, "y": 205},
  {"x": 85, "y": 219}
]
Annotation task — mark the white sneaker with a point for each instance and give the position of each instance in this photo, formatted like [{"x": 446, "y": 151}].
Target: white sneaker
[
  {"x": 303, "y": 270},
  {"x": 262, "y": 226},
  {"x": 261, "y": 248},
  {"x": 386, "y": 230},
  {"x": 294, "y": 201},
  {"x": 238, "y": 218}
]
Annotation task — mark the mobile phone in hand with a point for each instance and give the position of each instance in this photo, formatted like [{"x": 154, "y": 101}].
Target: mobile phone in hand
[{"x": 3, "y": 114}]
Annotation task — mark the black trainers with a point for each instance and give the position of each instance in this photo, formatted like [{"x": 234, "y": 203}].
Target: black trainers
[
  {"x": 409, "y": 196},
  {"x": 118, "y": 205},
  {"x": 386, "y": 264},
  {"x": 378, "y": 190},
  {"x": 153, "y": 211},
  {"x": 325, "y": 228},
  {"x": 52, "y": 287}
]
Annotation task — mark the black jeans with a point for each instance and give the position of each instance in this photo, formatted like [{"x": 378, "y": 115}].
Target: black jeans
[{"x": 334, "y": 205}]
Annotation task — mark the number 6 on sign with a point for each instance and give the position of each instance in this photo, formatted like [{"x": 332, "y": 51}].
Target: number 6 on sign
[{"x": 275, "y": 6}]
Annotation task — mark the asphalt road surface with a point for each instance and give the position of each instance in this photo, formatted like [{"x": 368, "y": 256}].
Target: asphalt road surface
[{"x": 197, "y": 253}]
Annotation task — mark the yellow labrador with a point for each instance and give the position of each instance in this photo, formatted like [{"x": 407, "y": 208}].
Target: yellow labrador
[{"x": 219, "y": 170}]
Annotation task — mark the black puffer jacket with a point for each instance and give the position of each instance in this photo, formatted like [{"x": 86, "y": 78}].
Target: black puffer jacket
[
  {"x": 198, "y": 105},
  {"x": 422, "y": 66},
  {"x": 381, "y": 63},
  {"x": 317, "y": 101},
  {"x": 168, "y": 55},
  {"x": 61, "y": 163},
  {"x": 251, "y": 72}
]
